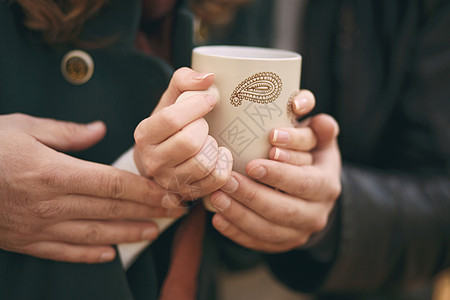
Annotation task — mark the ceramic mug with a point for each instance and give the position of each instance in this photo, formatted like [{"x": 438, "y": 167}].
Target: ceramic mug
[{"x": 255, "y": 89}]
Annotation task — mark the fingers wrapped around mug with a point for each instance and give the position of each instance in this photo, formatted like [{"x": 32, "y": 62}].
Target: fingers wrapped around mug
[
  {"x": 293, "y": 144},
  {"x": 172, "y": 145},
  {"x": 282, "y": 204},
  {"x": 303, "y": 103},
  {"x": 213, "y": 168},
  {"x": 261, "y": 218},
  {"x": 183, "y": 80}
]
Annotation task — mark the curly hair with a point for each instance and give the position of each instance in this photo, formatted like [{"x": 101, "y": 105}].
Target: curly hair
[{"x": 60, "y": 21}]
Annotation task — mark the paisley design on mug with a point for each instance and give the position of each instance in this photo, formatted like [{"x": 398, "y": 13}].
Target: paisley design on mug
[{"x": 264, "y": 87}]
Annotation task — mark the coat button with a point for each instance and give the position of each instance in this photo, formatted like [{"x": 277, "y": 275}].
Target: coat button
[{"x": 77, "y": 67}]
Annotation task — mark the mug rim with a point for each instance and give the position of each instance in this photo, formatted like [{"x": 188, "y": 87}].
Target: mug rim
[{"x": 246, "y": 53}]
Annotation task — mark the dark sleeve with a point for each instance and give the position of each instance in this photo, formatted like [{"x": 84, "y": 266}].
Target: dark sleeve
[{"x": 390, "y": 229}]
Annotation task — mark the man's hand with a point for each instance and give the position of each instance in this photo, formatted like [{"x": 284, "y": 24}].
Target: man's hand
[
  {"x": 58, "y": 207},
  {"x": 290, "y": 196}
]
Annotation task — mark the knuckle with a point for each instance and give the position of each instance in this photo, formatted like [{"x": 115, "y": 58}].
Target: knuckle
[
  {"x": 15, "y": 242},
  {"x": 335, "y": 191},
  {"x": 113, "y": 210},
  {"x": 116, "y": 185},
  {"x": 221, "y": 176},
  {"x": 45, "y": 176},
  {"x": 149, "y": 166},
  {"x": 276, "y": 174},
  {"x": 165, "y": 182},
  {"x": 299, "y": 138},
  {"x": 193, "y": 137},
  {"x": 250, "y": 196},
  {"x": 139, "y": 134},
  {"x": 204, "y": 166},
  {"x": 232, "y": 232},
  {"x": 154, "y": 192},
  {"x": 23, "y": 119},
  {"x": 190, "y": 143},
  {"x": 20, "y": 116},
  {"x": 205, "y": 104},
  {"x": 22, "y": 228},
  {"x": 305, "y": 185},
  {"x": 46, "y": 210},
  {"x": 180, "y": 74},
  {"x": 93, "y": 234},
  {"x": 168, "y": 119},
  {"x": 288, "y": 215},
  {"x": 274, "y": 235}
]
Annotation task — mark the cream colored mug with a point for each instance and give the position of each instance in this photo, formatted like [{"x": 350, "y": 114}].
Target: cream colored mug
[{"x": 255, "y": 89}]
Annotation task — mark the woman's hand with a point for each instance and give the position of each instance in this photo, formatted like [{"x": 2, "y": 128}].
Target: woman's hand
[
  {"x": 173, "y": 146},
  {"x": 290, "y": 196},
  {"x": 58, "y": 207}
]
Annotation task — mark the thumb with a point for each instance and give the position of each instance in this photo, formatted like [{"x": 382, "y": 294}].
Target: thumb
[
  {"x": 184, "y": 79},
  {"x": 325, "y": 128},
  {"x": 326, "y": 154},
  {"x": 68, "y": 136}
]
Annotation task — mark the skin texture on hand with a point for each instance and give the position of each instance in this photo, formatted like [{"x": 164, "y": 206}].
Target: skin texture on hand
[
  {"x": 173, "y": 146},
  {"x": 288, "y": 197},
  {"x": 58, "y": 207}
]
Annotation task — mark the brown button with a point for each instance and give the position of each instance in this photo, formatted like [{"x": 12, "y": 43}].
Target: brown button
[{"x": 77, "y": 67}]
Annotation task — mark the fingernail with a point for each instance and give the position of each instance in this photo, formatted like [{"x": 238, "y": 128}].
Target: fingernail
[
  {"x": 149, "y": 233},
  {"x": 96, "y": 125},
  {"x": 202, "y": 76},
  {"x": 301, "y": 105},
  {"x": 107, "y": 256},
  {"x": 170, "y": 202},
  {"x": 257, "y": 172},
  {"x": 231, "y": 186},
  {"x": 280, "y": 136},
  {"x": 221, "y": 203},
  {"x": 280, "y": 155},
  {"x": 211, "y": 99},
  {"x": 222, "y": 224}
]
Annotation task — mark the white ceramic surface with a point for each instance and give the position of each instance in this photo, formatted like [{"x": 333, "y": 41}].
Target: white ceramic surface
[{"x": 255, "y": 87}]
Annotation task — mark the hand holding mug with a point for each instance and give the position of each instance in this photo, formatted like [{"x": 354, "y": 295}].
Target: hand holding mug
[
  {"x": 288, "y": 199},
  {"x": 173, "y": 145},
  {"x": 256, "y": 87}
]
